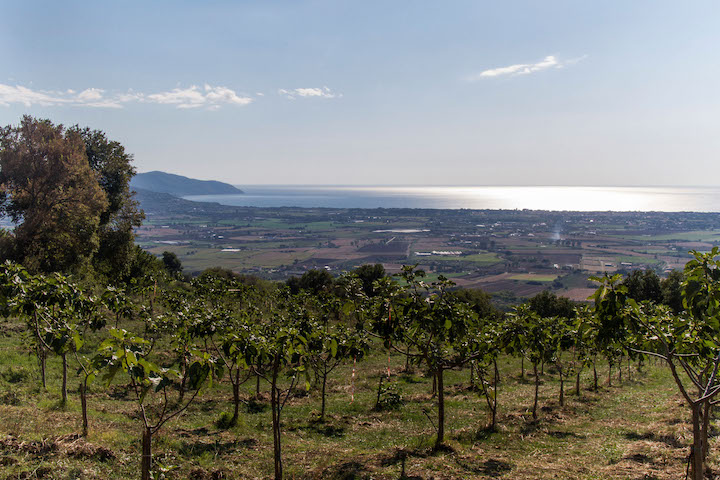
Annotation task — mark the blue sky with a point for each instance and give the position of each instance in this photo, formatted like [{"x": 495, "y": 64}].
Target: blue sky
[{"x": 387, "y": 92}]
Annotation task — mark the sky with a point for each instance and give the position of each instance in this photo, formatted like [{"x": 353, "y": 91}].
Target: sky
[{"x": 402, "y": 92}]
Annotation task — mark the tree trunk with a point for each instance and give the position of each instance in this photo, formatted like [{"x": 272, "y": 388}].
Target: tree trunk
[
  {"x": 497, "y": 373},
  {"x": 628, "y": 375},
  {"x": 42, "y": 356},
  {"x": 577, "y": 383},
  {"x": 377, "y": 400},
  {"x": 595, "y": 377},
  {"x": 257, "y": 386},
  {"x": 441, "y": 409},
  {"x": 705, "y": 426},
  {"x": 146, "y": 461},
  {"x": 620, "y": 370},
  {"x": 183, "y": 380},
  {"x": 697, "y": 448},
  {"x": 522, "y": 367},
  {"x": 537, "y": 387},
  {"x": 236, "y": 399},
  {"x": 609, "y": 375},
  {"x": 83, "y": 405},
  {"x": 275, "y": 406},
  {"x": 472, "y": 375},
  {"x": 494, "y": 407},
  {"x": 562, "y": 388},
  {"x": 324, "y": 384},
  {"x": 64, "y": 379}
]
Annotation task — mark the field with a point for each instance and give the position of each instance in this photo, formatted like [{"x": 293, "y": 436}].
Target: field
[
  {"x": 637, "y": 428},
  {"x": 472, "y": 246}
]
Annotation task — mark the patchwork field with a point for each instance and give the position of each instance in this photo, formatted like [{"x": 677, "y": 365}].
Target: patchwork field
[{"x": 537, "y": 250}]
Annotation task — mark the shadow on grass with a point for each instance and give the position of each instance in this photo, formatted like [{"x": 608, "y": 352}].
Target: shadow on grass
[
  {"x": 327, "y": 430},
  {"x": 320, "y": 427},
  {"x": 217, "y": 448},
  {"x": 562, "y": 435},
  {"x": 491, "y": 467},
  {"x": 479, "y": 435},
  {"x": 256, "y": 406},
  {"x": 639, "y": 458},
  {"x": 410, "y": 378},
  {"x": 653, "y": 437},
  {"x": 530, "y": 426},
  {"x": 401, "y": 454}
]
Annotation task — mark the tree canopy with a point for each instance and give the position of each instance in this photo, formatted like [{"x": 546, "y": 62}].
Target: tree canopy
[
  {"x": 50, "y": 191},
  {"x": 68, "y": 192}
]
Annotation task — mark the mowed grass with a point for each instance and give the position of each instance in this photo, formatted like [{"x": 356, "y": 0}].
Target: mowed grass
[
  {"x": 535, "y": 277},
  {"x": 480, "y": 259},
  {"x": 634, "y": 429},
  {"x": 692, "y": 236}
]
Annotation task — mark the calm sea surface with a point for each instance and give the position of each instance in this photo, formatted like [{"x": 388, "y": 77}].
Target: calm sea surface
[{"x": 664, "y": 199}]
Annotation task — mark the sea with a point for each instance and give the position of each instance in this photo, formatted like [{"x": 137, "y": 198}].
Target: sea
[{"x": 562, "y": 198}]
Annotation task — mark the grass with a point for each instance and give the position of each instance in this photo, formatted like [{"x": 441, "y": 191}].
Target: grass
[
  {"x": 637, "y": 429},
  {"x": 693, "y": 236},
  {"x": 479, "y": 259},
  {"x": 532, "y": 276}
]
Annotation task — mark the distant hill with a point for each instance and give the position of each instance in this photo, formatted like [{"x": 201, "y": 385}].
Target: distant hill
[{"x": 179, "y": 186}]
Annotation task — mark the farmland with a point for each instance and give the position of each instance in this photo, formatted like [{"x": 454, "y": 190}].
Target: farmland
[{"x": 520, "y": 252}]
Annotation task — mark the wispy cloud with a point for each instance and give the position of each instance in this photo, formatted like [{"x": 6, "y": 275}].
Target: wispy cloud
[
  {"x": 196, "y": 97},
  {"x": 208, "y": 96},
  {"x": 323, "y": 92},
  {"x": 549, "y": 62}
]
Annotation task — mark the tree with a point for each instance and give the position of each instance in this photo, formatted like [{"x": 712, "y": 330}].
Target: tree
[
  {"x": 547, "y": 304},
  {"x": 479, "y": 301},
  {"x": 431, "y": 322},
  {"x": 333, "y": 343},
  {"x": 313, "y": 281},
  {"x": 671, "y": 288},
  {"x": 280, "y": 345},
  {"x": 534, "y": 336},
  {"x": 643, "y": 285},
  {"x": 114, "y": 169},
  {"x": 48, "y": 188},
  {"x": 610, "y": 302},
  {"x": 58, "y": 315},
  {"x": 172, "y": 263},
  {"x": 585, "y": 346},
  {"x": 368, "y": 274},
  {"x": 487, "y": 345},
  {"x": 128, "y": 353},
  {"x": 688, "y": 343}
]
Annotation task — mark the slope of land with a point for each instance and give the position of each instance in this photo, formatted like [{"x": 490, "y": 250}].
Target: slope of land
[
  {"x": 638, "y": 428},
  {"x": 178, "y": 185}
]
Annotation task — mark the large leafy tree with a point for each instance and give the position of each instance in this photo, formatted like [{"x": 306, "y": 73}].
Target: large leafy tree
[
  {"x": 48, "y": 188},
  {"x": 114, "y": 169}
]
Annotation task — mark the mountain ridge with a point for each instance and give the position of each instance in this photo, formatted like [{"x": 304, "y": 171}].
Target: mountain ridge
[{"x": 178, "y": 185}]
